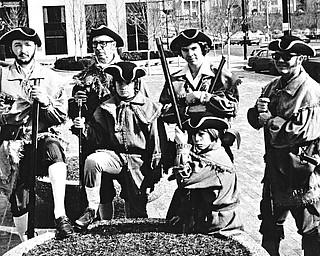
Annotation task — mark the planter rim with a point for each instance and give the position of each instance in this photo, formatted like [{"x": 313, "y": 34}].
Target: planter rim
[
  {"x": 68, "y": 182},
  {"x": 240, "y": 236}
]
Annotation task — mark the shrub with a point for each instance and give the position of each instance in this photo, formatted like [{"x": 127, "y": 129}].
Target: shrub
[{"x": 69, "y": 63}]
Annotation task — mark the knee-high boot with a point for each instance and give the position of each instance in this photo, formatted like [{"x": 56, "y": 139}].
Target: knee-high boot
[
  {"x": 106, "y": 211},
  {"x": 271, "y": 245}
]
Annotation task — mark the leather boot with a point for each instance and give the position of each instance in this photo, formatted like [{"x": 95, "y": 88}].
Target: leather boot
[
  {"x": 271, "y": 246},
  {"x": 106, "y": 211}
]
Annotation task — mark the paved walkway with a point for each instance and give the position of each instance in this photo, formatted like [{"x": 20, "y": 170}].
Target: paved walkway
[{"x": 249, "y": 162}]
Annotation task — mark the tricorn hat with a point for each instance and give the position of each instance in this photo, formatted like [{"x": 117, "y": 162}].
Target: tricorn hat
[
  {"x": 103, "y": 30},
  {"x": 187, "y": 37},
  {"x": 292, "y": 44},
  {"x": 20, "y": 33},
  {"x": 203, "y": 121},
  {"x": 125, "y": 71}
]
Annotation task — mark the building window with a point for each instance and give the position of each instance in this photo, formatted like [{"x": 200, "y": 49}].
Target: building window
[
  {"x": 55, "y": 30},
  {"x": 137, "y": 26}
]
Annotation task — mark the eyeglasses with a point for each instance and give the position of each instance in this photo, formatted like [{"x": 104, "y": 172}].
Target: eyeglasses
[
  {"x": 285, "y": 56},
  {"x": 102, "y": 44}
]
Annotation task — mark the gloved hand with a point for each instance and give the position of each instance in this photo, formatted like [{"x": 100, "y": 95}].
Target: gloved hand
[{"x": 181, "y": 137}]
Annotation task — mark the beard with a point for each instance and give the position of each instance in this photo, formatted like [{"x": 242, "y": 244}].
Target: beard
[{"x": 25, "y": 61}]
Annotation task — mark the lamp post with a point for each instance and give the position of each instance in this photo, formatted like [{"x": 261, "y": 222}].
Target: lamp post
[{"x": 286, "y": 28}]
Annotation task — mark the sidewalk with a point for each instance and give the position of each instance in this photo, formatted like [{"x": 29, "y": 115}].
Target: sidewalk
[{"x": 248, "y": 159}]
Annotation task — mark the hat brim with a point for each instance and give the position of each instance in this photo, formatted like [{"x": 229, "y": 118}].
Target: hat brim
[
  {"x": 292, "y": 44},
  {"x": 186, "y": 38},
  {"x": 20, "y": 34},
  {"x": 205, "y": 122},
  {"x": 103, "y": 30},
  {"x": 123, "y": 71}
]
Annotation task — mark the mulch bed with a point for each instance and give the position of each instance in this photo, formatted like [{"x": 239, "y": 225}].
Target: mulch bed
[{"x": 139, "y": 237}]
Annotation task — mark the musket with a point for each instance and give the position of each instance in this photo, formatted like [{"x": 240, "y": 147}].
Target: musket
[
  {"x": 81, "y": 170},
  {"x": 266, "y": 139},
  {"x": 218, "y": 74},
  {"x": 33, "y": 165},
  {"x": 168, "y": 80}
]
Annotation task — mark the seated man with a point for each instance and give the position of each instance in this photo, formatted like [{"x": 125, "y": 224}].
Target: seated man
[
  {"x": 23, "y": 83},
  {"x": 124, "y": 130},
  {"x": 207, "y": 198}
]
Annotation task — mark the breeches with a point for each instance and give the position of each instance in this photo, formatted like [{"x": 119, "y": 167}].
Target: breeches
[
  {"x": 101, "y": 168},
  {"x": 49, "y": 152}
]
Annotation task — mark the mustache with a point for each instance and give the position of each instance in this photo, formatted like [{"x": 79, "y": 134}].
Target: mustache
[{"x": 23, "y": 55}]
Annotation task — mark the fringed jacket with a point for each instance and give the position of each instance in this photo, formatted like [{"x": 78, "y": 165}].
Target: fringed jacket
[
  {"x": 15, "y": 99},
  {"x": 292, "y": 131}
]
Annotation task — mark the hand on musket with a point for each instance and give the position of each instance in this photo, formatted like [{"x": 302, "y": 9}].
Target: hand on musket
[
  {"x": 80, "y": 97},
  {"x": 79, "y": 122},
  {"x": 38, "y": 94}
]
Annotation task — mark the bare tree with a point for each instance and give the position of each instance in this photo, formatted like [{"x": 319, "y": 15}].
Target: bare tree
[
  {"x": 15, "y": 16},
  {"x": 77, "y": 27},
  {"x": 146, "y": 19},
  {"x": 224, "y": 18}
]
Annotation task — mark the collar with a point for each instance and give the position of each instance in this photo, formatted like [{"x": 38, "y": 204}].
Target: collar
[
  {"x": 295, "y": 83},
  {"x": 205, "y": 69},
  {"x": 15, "y": 72}
]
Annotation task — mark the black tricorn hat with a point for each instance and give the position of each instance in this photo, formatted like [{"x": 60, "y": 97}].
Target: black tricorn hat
[
  {"x": 125, "y": 71},
  {"x": 20, "y": 33},
  {"x": 205, "y": 120},
  {"x": 103, "y": 30},
  {"x": 187, "y": 37},
  {"x": 292, "y": 44}
]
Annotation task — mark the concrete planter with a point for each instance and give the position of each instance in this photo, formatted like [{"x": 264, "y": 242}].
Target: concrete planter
[{"x": 145, "y": 226}]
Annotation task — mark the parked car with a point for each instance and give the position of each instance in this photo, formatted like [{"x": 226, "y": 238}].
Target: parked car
[
  {"x": 236, "y": 37},
  {"x": 262, "y": 61}
]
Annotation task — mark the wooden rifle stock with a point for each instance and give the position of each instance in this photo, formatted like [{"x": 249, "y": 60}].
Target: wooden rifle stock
[
  {"x": 168, "y": 80},
  {"x": 33, "y": 166},
  {"x": 218, "y": 74}
]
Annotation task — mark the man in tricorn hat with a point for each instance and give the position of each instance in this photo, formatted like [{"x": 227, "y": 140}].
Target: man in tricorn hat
[
  {"x": 194, "y": 88},
  {"x": 93, "y": 86},
  {"x": 289, "y": 112},
  {"x": 124, "y": 131},
  {"x": 207, "y": 197},
  {"x": 23, "y": 83}
]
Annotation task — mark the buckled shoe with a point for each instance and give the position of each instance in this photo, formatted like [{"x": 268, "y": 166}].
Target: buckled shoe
[
  {"x": 85, "y": 219},
  {"x": 64, "y": 228}
]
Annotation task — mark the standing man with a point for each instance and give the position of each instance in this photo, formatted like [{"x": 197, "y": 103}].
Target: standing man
[
  {"x": 289, "y": 112},
  {"x": 191, "y": 84},
  {"x": 23, "y": 83},
  {"x": 124, "y": 130}
]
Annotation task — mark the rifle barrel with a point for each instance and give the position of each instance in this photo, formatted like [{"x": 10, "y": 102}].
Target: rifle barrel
[
  {"x": 168, "y": 80},
  {"x": 33, "y": 166}
]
